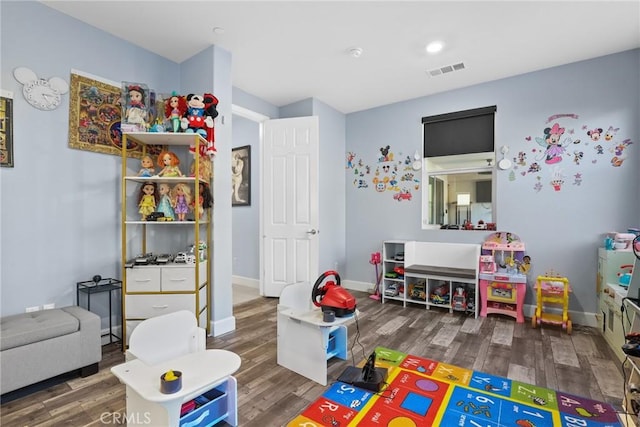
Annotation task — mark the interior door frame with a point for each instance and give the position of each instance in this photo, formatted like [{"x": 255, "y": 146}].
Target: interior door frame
[{"x": 260, "y": 119}]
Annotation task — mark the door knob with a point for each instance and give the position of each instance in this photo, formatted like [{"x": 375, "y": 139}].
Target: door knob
[{"x": 312, "y": 231}]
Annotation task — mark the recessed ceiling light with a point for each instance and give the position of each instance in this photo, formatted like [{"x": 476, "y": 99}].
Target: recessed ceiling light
[
  {"x": 218, "y": 30},
  {"x": 434, "y": 47}
]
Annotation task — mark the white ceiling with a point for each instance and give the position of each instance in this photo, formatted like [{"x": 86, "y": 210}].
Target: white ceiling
[{"x": 284, "y": 52}]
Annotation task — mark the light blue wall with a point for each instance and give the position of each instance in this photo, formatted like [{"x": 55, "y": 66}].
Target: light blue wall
[
  {"x": 60, "y": 206},
  {"x": 255, "y": 104},
  {"x": 561, "y": 230},
  {"x": 60, "y": 220},
  {"x": 246, "y": 219}
]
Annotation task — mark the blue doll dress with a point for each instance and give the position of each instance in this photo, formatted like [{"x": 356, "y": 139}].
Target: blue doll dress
[{"x": 165, "y": 207}]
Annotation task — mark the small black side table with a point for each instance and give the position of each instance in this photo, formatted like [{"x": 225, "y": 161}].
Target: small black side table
[{"x": 104, "y": 285}]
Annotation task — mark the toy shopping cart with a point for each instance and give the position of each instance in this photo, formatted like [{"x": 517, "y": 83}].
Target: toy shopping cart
[{"x": 552, "y": 295}]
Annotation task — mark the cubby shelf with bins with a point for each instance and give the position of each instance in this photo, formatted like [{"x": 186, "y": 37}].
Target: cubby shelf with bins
[
  {"x": 456, "y": 295},
  {"x": 155, "y": 289}
]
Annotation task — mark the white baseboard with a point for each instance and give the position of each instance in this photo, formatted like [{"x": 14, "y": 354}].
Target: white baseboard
[
  {"x": 358, "y": 286},
  {"x": 246, "y": 281},
  {"x": 222, "y": 326}
]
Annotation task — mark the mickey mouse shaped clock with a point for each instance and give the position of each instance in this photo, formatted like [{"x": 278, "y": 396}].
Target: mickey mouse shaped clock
[{"x": 40, "y": 93}]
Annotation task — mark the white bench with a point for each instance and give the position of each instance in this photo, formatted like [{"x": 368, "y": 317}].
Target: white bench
[{"x": 450, "y": 262}]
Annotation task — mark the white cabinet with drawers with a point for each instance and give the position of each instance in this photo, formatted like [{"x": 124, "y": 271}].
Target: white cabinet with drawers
[{"x": 151, "y": 289}]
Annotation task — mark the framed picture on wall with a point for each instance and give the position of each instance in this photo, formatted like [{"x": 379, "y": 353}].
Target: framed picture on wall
[
  {"x": 241, "y": 176},
  {"x": 6, "y": 130}
]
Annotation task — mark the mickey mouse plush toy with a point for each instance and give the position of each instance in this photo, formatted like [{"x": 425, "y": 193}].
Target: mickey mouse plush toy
[
  {"x": 201, "y": 110},
  {"x": 194, "y": 120}
]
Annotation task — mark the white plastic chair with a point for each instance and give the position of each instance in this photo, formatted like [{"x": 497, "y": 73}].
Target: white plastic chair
[
  {"x": 296, "y": 296},
  {"x": 166, "y": 337}
]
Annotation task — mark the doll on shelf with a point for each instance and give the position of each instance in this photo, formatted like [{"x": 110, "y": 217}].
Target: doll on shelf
[
  {"x": 169, "y": 161},
  {"x": 181, "y": 200},
  {"x": 174, "y": 108},
  {"x": 147, "y": 169},
  {"x": 147, "y": 199},
  {"x": 205, "y": 199},
  {"x": 136, "y": 111},
  {"x": 164, "y": 205},
  {"x": 205, "y": 168}
]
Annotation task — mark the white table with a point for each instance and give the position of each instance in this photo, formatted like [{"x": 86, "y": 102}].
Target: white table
[
  {"x": 201, "y": 372},
  {"x": 306, "y": 342}
]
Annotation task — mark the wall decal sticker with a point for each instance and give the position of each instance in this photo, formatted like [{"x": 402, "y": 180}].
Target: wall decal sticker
[
  {"x": 393, "y": 173},
  {"x": 557, "y": 178},
  {"x": 577, "y": 179},
  {"x": 576, "y": 147},
  {"x": 350, "y": 157}
]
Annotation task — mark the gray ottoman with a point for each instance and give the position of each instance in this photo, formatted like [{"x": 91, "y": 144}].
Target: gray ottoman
[{"x": 42, "y": 344}]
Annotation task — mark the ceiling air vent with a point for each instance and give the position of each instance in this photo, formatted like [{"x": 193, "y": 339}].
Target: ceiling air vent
[{"x": 446, "y": 69}]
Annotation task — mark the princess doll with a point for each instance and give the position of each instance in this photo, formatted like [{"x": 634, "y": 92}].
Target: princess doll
[
  {"x": 181, "y": 200},
  {"x": 205, "y": 199},
  {"x": 147, "y": 169},
  {"x": 136, "y": 111},
  {"x": 164, "y": 205},
  {"x": 174, "y": 109},
  {"x": 205, "y": 169},
  {"x": 169, "y": 161},
  {"x": 147, "y": 199}
]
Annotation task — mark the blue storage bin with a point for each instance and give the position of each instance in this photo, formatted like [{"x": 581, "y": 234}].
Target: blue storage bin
[{"x": 209, "y": 414}]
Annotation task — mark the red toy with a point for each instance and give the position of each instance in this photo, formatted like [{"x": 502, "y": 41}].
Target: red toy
[
  {"x": 331, "y": 296},
  {"x": 210, "y": 110}
]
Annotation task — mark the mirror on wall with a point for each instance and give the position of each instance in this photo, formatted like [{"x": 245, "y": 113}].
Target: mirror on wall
[{"x": 460, "y": 192}]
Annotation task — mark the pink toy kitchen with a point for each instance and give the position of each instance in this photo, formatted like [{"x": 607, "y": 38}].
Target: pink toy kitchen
[{"x": 503, "y": 275}]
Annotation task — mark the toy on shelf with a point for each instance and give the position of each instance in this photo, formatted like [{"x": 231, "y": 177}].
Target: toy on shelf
[
  {"x": 181, "y": 200},
  {"x": 147, "y": 199},
  {"x": 169, "y": 161},
  {"x": 164, "y": 205},
  {"x": 174, "y": 108},
  {"x": 502, "y": 275},
  {"x": 439, "y": 294},
  {"x": 135, "y": 115},
  {"x": 552, "y": 293},
  {"x": 624, "y": 278},
  {"x": 205, "y": 200},
  {"x": 205, "y": 168},
  {"x": 146, "y": 167},
  {"x": 459, "y": 302}
]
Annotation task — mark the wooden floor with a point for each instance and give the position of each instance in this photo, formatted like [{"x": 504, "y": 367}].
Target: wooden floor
[{"x": 269, "y": 395}]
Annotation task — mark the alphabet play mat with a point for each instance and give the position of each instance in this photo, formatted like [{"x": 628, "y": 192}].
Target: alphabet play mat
[{"x": 423, "y": 392}]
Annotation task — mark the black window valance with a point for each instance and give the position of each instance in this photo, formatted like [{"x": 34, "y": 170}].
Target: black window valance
[{"x": 462, "y": 132}]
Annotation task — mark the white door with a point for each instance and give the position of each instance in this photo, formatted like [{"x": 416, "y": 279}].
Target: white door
[{"x": 290, "y": 241}]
